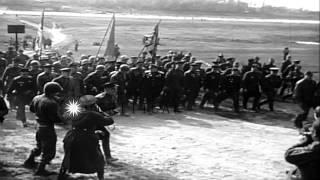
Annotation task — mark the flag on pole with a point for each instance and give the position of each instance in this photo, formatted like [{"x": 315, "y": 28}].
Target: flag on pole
[
  {"x": 155, "y": 40},
  {"x": 111, "y": 50},
  {"x": 151, "y": 41},
  {"x": 40, "y": 32}
]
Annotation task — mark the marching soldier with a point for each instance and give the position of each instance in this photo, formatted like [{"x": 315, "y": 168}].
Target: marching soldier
[
  {"x": 85, "y": 68},
  {"x": 270, "y": 85},
  {"x": 34, "y": 72},
  {"x": 22, "y": 58},
  {"x": 211, "y": 86},
  {"x": 67, "y": 84},
  {"x": 292, "y": 78},
  {"x": 9, "y": 74},
  {"x": 174, "y": 85},
  {"x": 192, "y": 85},
  {"x": 152, "y": 86},
  {"x": 10, "y": 54},
  {"x": 231, "y": 85},
  {"x": 135, "y": 78},
  {"x": 23, "y": 89},
  {"x": 44, "y": 77},
  {"x": 304, "y": 94},
  {"x": 77, "y": 80},
  {"x": 107, "y": 102},
  {"x": 45, "y": 106},
  {"x": 251, "y": 87},
  {"x": 267, "y": 67},
  {"x": 120, "y": 78}
]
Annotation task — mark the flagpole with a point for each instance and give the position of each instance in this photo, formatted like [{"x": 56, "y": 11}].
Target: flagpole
[
  {"x": 41, "y": 34},
  {"x": 105, "y": 34}
]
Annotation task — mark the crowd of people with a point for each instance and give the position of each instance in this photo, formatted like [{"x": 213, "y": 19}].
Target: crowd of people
[
  {"x": 175, "y": 80},
  {"x": 48, "y": 82}
]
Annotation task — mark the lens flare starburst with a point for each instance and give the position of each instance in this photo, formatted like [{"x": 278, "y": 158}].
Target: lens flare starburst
[{"x": 73, "y": 108}]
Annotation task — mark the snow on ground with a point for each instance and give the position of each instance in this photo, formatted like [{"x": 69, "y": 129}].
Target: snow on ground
[{"x": 198, "y": 145}]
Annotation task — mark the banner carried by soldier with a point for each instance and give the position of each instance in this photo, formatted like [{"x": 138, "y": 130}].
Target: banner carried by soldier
[
  {"x": 110, "y": 49},
  {"x": 151, "y": 41},
  {"x": 40, "y": 32}
]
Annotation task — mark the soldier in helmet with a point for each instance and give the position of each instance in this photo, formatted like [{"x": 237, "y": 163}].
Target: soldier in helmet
[
  {"x": 23, "y": 89},
  {"x": 95, "y": 80},
  {"x": 67, "y": 84},
  {"x": 192, "y": 85},
  {"x": 10, "y": 54},
  {"x": 135, "y": 78},
  {"x": 120, "y": 78},
  {"x": 45, "y": 107},
  {"x": 211, "y": 85},
  {"x": 34, "y": 71}
]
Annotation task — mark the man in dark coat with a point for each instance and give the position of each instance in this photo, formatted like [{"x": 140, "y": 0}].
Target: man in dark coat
[
  {"x": 305, "y": 155},
  {"x": 45, "y": 107},
  {"x": 107, "y": 102},
  {"x": 270, "y": 85},
  {"x": 135, "y": 78},
  {"x": 304, "y": 94},
  {"x": 81, "y": 144},
  {"x": 12, "y": 71},
  {"x": 252, "y": 87},
  {"x": 120, "y": 78},
  {"x": 94, "y": 81},
  {"x": 192, "y": 85},
  {"x": 152, "y": 86},
  {"x": 211, "y": 86},
  {"x": 174, "y": 85},
  {"x": 23, "y": 89},
  {"x": 230, "y": 85}
]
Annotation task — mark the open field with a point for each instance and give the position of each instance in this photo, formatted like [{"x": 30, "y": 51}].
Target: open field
[
  {"x": 199, "y": 145},
  {"x": 205, "y": 39}
]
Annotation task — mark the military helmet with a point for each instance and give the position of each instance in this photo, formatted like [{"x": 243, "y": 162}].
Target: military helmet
[{"x": 51, "y": 87}]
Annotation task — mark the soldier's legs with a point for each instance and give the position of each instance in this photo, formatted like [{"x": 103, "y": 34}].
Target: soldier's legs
[
  {"x": 235, "y": 98},
  {"x": 30, "y": 162},
  {"x": 298, "y": 121},
  {"x": 245, "y": 99},
  {"x": 21, "y": 113},
  {"x": 270, "y": 97},
  {"x": 221, "y": 97},
  {"x": 283, "y": 87},
  {"x": 205, "y": 98},
  {"x": 106, "y": 143},
  {"x": 255, "y": 105}
]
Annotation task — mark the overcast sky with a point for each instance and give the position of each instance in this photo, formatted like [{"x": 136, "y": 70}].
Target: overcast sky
[{"x": 297, "y": 4}]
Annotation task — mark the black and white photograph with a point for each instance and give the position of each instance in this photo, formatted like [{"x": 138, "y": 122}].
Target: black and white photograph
[{"x": 159, "y": 90}]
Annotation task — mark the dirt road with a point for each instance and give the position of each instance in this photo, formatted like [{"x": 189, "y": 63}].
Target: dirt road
[{"x": 193, "y": 145}]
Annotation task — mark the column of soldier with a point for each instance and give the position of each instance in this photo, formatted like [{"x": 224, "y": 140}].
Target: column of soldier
[{"x": 174, "y": 80}]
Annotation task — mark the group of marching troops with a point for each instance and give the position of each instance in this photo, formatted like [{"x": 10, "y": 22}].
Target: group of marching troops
[{"x": 174, "y": 80}]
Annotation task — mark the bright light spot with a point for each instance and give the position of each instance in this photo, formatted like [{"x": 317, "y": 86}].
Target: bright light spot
[{"x": 73, "y": 108}]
